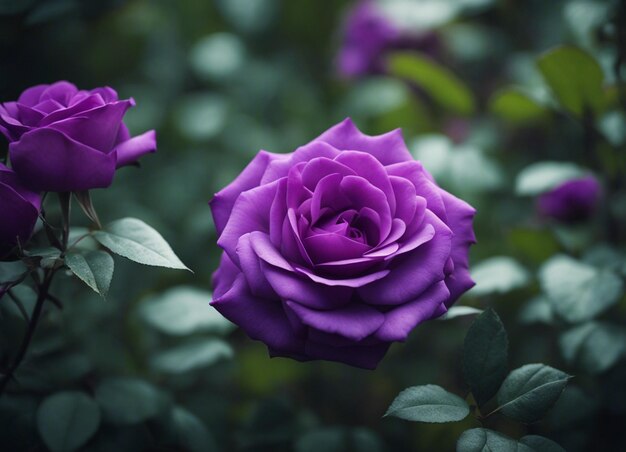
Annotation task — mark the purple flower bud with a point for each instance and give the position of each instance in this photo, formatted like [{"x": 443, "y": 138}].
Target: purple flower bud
[{"x": 572, "y": 201}]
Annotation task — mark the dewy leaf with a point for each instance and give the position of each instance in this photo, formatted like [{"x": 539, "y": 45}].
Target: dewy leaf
[
  {"x": 94, "y": 268},
  {"x": 485, "y": 440},
  {"x": 530, "y": 391},
  {"x": 594, "y": 346},
  {"x": 544, "y": 176},
  {"x": 485, "y": 353},
  {"x": 192, "y": 356},
  {"x": 11, "y": 272},
  {"x": 440, "y": 83},
  {"x": 575, "y": 78},
  {"x": 135, "y": 240},
  {"x": 459, "y": 311},
  {"x": 190, "y": 433},
  {"x": 184, "y": 310},
  {"x": 67, "y": 420},
  {"x": 578, "y": 291},
  {"x": 517, "y": 107},
  {"x": 129, "y": 400},
  {"x": 541, "y": 444},
  {"x": 429, "y": 403},
  {"x": 499, "y": 274}
]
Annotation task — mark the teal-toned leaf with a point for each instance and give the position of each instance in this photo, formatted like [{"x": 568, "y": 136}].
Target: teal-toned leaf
[
  {"x": 459, "y": 311},
  {"x": 445, "y": 88},
  {"x": 485, "y": 440},
  {"x": 541, "y": 444},
  {"x": 499, "y": 274},
  {"x": 544, "y": 176},
  {"x": 67, "y": 420},
  {"x": 578, "y": 291},
  {"x": 428, "y": 403},
  {"x": 129, "y": 400},
  {"x": 135, "y": 240},
  {"x": 530, "y": 391},
  {"x": 517, "y": 107},
  {"x": 94, "y": 268},
  {"x": 594, "y": 346},
  {"x": 189, "y": 432},
  {"x": 48, "y": 256},
  {"x": 184, "y": 310},
  {"x": 575, "y": 78},
  {"x": 485, "y": 354},
  {"x": 11, "y": 272},
  {"x": 537, "y": 310},
  {"x": 192, "y": 356}
]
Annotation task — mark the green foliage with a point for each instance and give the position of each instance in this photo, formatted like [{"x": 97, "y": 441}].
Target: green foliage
[
  {"x": 129, "y": 400},
  {"x": 575, "y": 79},
  {"x": 429, "y": 403},
  {"x": 67, "y": 420},
  {"x": 485, "y": 440},
  {"x": 544, "y": 176},
  {"x": 135, "y": 240},
  {"x": 192, "y": 356},
  {"x": 578, "y": 291},
  {"x": 516, "y": 106},
  {"x": 593, "y": 346},
  {"x": 499, "y": 274},
  {"x": 94, "y": 268},
  {"x": 335, "y": 439},
  {"x": 445, "y": 88},
  {"x": 530, "y": 391},
  {"x": 485, "y": 354}
]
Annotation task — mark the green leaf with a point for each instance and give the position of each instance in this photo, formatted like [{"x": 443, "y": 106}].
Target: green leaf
[
  {"x": 67, "y": 420},
  {"x": 544, "y": 176},
  {"x": 429, "y": 403},
  {"x": 189, "y": 432},
  {"x": 499, "y": 274},
  {"x": 485, "y": 354},
  {"x": 594, "y": 346},
  {"x": 129, "y": 400},
  {"x": 192, "y": 356},
  {"x": 459, "y": 311},
  {"x": 445, "y": 88},
  {"x": 184, "y": 310},
  {"x": 575, "y": 78},
  {"x": 530, "y": 391},
  {"x": 578, "y": 291},
  {"x": 94, "y": 268},
  {"x": 537, "y": 310},
  {"x": 485, "y": 440},
  {"x": 135, "y": 240},
  {"x": 541, "y": 444},
  {"x": 11, "y": 272},
  {"x": 517, "y": 107}
]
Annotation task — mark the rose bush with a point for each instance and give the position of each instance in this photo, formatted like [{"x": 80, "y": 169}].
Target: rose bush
[
  {"x": 572, "y": 201},
  {"x": 65, "y": 139},
  {"x": 340, "y": 248},
  {"x": 20, "y": 209}
]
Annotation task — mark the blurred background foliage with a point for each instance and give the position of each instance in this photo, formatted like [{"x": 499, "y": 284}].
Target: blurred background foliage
[{"x": 221, "y": 79}]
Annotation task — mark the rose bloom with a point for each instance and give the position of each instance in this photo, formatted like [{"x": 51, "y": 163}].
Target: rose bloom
[
  {"x": 368, "y": 34},
  {"x": 65, "y": 139},
  {"x": 340, "y": 248},
  {"x": 572, "y": 201},
  {"x": 19, "y": 208}
]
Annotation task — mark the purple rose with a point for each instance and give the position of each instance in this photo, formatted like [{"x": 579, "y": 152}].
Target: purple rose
[
  {"x": 19, "y": 208},
  {"x": 340, "y": 248},
  {"x": 573, "y": 201},
  {"x": 368, "y": 34},
  {"x": 62, "y": 139}
]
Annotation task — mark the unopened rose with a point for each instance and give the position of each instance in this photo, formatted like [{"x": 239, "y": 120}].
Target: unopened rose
[
  {"x": 340, "y": 248},
  {"x": 19, "y": 209},
  {"x": 65, "y": 139}
]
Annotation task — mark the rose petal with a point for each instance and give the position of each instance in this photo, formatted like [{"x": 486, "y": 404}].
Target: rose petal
[
  {"x": 331, "y": 247},
  {"x": 223, "y": 201},
  {"x": 388, "y": 148},
  {"x": 224, "y": 277},
  {"x": 84, "y": 105},
  {"x": 47, "y": 160},
  {"x": 424, "y": 186},
  {"x": 401, "y": 320},
  {"x": 129, "y": 151},
  {"x": 280, "y": 168},
  {"x": 365, "y": 356},
  {"x": 251, "y": 268},
  {"x": 320, "y": 167},
  {"x": 355, "y": 321},
  {"x": 31, "y": 96},
  {"x": 356, "y": 282}
]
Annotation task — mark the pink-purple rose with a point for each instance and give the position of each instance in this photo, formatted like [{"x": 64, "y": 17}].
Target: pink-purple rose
[
  {"x": 19, "y": 207},
  {"x": 340, "y": 248},
  {"x": 66, "y": 139},
  {"x": 572, "y": 201}
]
